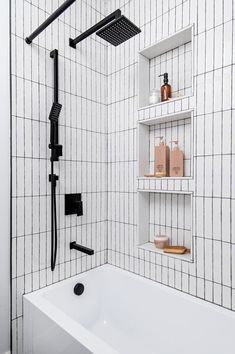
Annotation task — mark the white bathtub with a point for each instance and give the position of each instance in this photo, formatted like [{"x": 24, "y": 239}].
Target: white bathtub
[{"x": 123, "y": 313}]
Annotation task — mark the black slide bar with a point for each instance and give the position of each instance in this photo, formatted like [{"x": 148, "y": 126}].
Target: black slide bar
[
  {"x": 48, "y": 21},
  {"x": 113, "y": 16},
  {"x": 56, "y": 152},
  {"x": 54, "y": 55}
]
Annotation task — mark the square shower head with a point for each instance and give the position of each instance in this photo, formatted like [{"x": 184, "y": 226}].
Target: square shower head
[{"x": 118, "y": 31}]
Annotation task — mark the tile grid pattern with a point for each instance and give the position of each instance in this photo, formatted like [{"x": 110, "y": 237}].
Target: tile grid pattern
[
  {"x": 83, "y": 82},
  {"x": 83, "y": 134},
  {"x": 212, "y": 275}
]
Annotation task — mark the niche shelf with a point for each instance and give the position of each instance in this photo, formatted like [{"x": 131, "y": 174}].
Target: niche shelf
[
  {"x": 165, "y": 213},
  {"x": 168, "y": 184},
  {"x": 175, "y": 126},
  {"x": 167, "y": 111},
  {"x": 149, "y": 246},
  {"x": 174, "y": 55},
  {"x": 165, "y": 205}
]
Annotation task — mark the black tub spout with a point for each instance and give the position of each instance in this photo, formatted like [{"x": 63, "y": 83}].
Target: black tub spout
[{"x": 83, "y": 249}]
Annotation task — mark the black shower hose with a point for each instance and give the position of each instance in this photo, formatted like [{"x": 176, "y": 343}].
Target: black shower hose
[{"x": 53, "y": 219}]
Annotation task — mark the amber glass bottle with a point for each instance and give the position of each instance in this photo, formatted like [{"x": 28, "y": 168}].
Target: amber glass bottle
[{"x": 165, "y": 88}]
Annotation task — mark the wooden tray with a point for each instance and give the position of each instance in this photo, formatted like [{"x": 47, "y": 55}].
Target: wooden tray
[{"x": 175, "y": 249}]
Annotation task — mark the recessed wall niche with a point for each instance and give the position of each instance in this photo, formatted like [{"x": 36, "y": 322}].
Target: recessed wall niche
[
  {"x": 173, "y": 55},
  {"x": 165, "y": 213},
  {"x": 177, "y": 126},
  {"x": 178, "y": 64}
]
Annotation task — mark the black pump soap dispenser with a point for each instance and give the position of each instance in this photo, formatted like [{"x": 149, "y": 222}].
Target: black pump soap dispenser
[{"x": 165, "y": 88}]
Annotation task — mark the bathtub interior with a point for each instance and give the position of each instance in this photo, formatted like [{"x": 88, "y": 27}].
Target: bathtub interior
[{"x": 133, "y": 314}]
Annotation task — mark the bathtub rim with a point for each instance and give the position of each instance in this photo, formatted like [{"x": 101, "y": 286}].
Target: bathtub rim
[
  {"x": 179, "y": 293},
  {"x": 77, "y": 331}
]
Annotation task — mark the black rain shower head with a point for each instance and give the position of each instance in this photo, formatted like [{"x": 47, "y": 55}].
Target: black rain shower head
[
  {"x": 114, "y": 28},
  {"x": 118, "y": 31}
]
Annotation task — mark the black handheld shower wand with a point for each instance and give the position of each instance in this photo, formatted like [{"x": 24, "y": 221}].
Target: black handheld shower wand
[{"x": 56, "y": 152}]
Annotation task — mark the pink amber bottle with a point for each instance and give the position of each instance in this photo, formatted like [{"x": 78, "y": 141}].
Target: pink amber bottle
[{"x": 161, "y": 159}]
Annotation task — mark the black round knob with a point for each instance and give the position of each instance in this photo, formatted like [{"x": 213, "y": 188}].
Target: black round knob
[{"x": 78, "y": 289}]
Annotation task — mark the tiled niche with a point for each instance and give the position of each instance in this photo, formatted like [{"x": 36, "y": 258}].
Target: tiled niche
[
  {"x": 173, "y": 55},
  {"x": 178, "y": 64},
  {"x": 166, "y": 213},
  {"x": 177, "y": 126}
]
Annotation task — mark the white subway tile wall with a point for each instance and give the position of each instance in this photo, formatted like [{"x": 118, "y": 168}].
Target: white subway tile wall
[
  {"x": 211, "y": 275},
  {"x": 98, "y": 129},
  {"x": 83, "y": 134}
]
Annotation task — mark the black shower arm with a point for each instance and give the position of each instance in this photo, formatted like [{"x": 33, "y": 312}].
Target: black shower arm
[
  {"x": 113, "y": 16},
  {"x": 49, "y": 20},
  {"x": 54, "y": 55}
]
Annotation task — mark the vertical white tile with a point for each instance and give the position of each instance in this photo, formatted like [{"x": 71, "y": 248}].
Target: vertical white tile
[
  {"x": 208, "y": 217},
  {"x": 228, "y": 42},
  {"x": 218, "y": 12},
  {"x": 227, "y": 132},
  {"x": 227, "y": 94},
  {"x": 209, "y": 92},
  {"x": 217, "y": 176},
  {"x": 200, "y": 94},
  {"x": 201, "y": 17},
  {"x": 218, "y": 91},
  {"x": 208, "y": 259},
  {"x": 200, "y": 257},
  {"x": 217, "y": 294},
  {"x": 209, "y": 51},
  {"x": 217, "y": 261},
  {"x": 208, "y": 176},
  {"x": 209, "y": 14},
  {"x": 217, "y": 213},
  {"x": 226, "y": 258},
  {"x": 228, "y": 10},
  {"x": 208, "y": 134},
  {"x": 226, "y": 176},
  {"x": 20, "y": 256}
]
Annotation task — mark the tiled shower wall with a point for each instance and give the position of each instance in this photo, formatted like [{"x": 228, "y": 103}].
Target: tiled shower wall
[
  {"x": 83, "y": 134},
  {"x": 212, "y": 275},
  {"x": 87, "y": 124}
]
